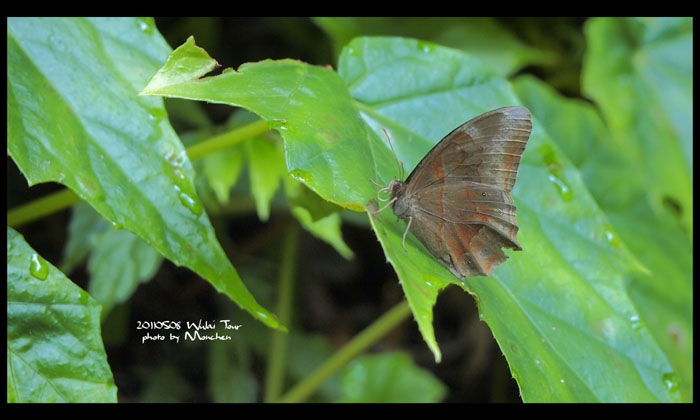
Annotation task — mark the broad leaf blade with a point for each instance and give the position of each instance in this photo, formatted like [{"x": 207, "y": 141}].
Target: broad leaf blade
[
  {"x": 388, "y": 378},
  {"x": 74, "y": 118},
  {"x": 311, "y": 109},
  {"x": 619, "y": 184},
  {"x": 481, "y": 37},
  {"x": 644, "y": 89},
  {"x": 54, "y": 348}
]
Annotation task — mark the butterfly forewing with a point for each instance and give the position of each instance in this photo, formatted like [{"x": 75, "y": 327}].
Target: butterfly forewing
[{"x": 486, "y": 149}]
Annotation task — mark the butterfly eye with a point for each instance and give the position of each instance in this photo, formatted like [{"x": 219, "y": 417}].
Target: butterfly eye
[
  {"x": 483, "y": 194},
  {"x": 499, "y": 211}
]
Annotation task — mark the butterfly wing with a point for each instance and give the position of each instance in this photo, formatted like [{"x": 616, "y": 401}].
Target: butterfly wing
[
  {"x": 486, "y": 150},
  {"x": 459, "y": 192},
  {"x": 469, "y": 223}
]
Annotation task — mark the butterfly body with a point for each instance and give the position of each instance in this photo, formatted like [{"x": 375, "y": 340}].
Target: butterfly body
[{"x": 457, "y": 200}]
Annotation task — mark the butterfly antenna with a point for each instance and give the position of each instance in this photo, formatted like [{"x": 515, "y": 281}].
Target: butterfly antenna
[
  {"x": 384, "y": 189},
  {"x": 398, "y": 164}
]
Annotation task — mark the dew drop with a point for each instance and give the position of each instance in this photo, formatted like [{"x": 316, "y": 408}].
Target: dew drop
[
  {"x": 562, "y": 187},
  {"x": 636, "y": 325},
  {"x": 610, "y": 235},
  {"x": 156, "y": 114},
  {"x": 179, "y": 159},
  {"x": 84, "y": 298},
  {"x": 179, "y": 174},
  {"x": 191, "y": 204},
  {"x": 302, "y": 175},
  {"x": 38, "y": 267},
  {"x": 144, "y": 25},
  {"x": 425, "y": 47},
  {"x": 671, "y": 382}
]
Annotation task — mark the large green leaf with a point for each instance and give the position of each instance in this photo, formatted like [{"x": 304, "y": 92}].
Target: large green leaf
[
  {"x": 618, "y": 183},
  {"x": 388, "y": 378},
  {"x": 640, "y": 73},
  {"x": 481, "y": 37},
  {"x": 74, "y": 117},
  {"x": 54, "y": 347},
  {"x": 558, "y": 309},
  {"x": 293, "y": 97}
]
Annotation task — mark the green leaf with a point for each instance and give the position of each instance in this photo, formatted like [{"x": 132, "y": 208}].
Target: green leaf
[
  {"x": 574, "y": 125},
  {"x": 389, "y": 378},
  {"x": 618, "y": 183},
  {"x": 291, "y": 96},
  {"x": 222, "y": 170},
  {"x": 74, "y": 117},
  {"x": 640, "y": 73},
  {"x": 484, "y": 38},
  {"x": 54, "y": 348},
  {"x": 316, "y": 215},
  {"x": 266, "y": 163},
  {"x": 118, "y": 260},
  {"x": 327, "y": 229},
  {"x": 563, "y": 295},
  {"x": 84, "y": 224}
]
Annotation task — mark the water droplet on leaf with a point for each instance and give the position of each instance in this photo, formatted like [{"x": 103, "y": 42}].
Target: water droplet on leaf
[{"x": 38, "y": 267}]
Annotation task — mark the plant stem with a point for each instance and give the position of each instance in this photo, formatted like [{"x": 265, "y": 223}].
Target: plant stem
[
  {"x": 354, "y": 347},
  {"x": 227, "y": 139},
  {"x": 274, "y": 379},
  {"x": 41, "y": 207}
]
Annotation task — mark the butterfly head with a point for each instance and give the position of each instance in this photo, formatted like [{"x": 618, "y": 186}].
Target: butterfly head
[{"x": 396, "y": 188}]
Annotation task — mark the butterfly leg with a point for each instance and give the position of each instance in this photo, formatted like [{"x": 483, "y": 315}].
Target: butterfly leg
[
  {"x": 403, "y": 241},
  {"x": 386, "y": 205}
]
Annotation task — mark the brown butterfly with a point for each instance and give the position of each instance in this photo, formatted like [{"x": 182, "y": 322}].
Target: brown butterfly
[{"x": 457, "y": 200}]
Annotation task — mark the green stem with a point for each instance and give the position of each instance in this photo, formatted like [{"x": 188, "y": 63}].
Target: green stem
[
  {"x": 60, "y": 200},
  {"x": 227, "y": 139},
  {"x": 354, "y": 347},
  {"x": 274, "y": 379},
  {"x": 41, "y": 207}
]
